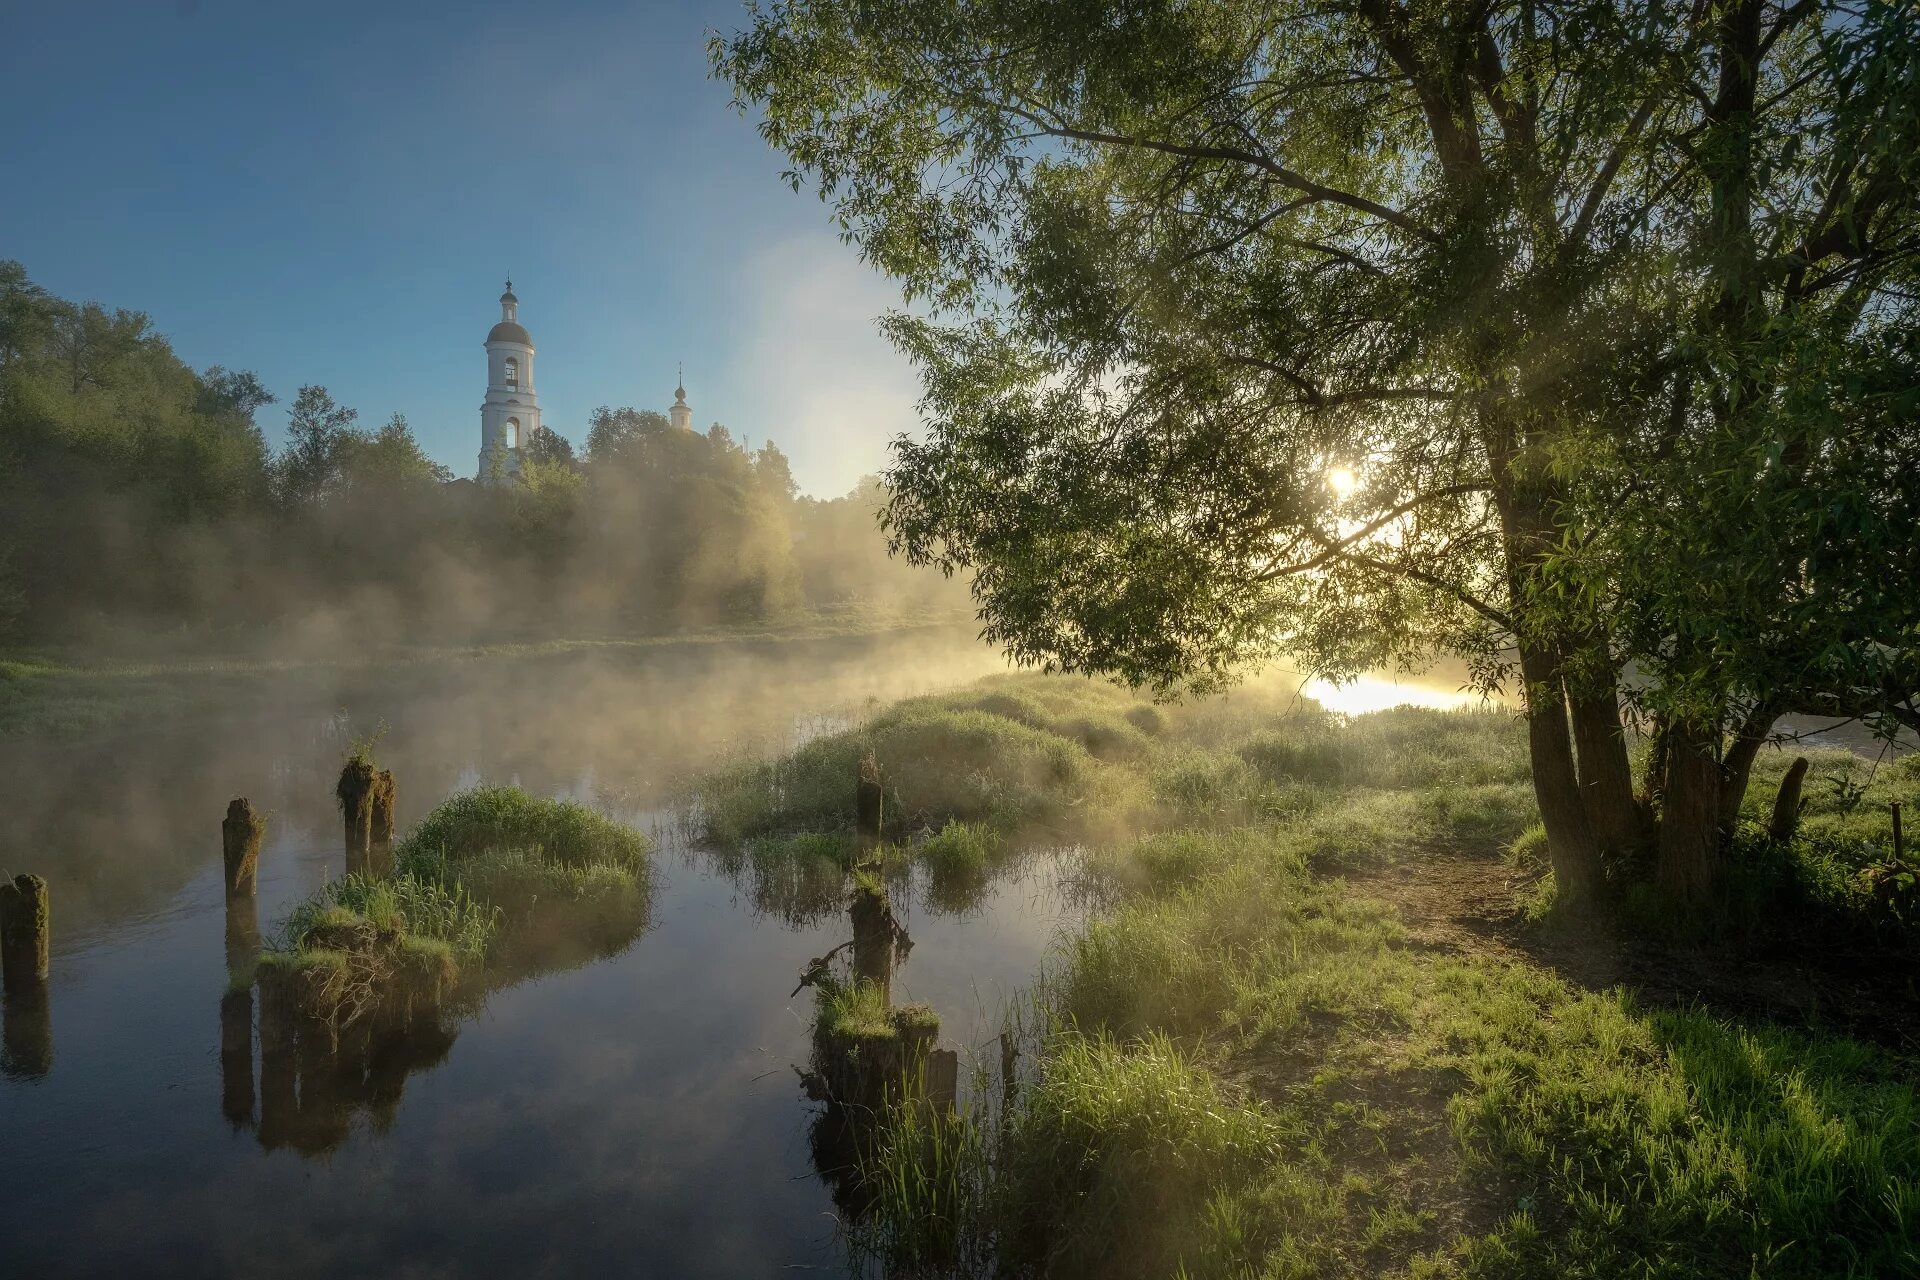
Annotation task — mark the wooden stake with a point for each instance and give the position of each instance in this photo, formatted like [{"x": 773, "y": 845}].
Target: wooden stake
[
  {"x": 867, "y": 801},
  {"x": 1786, "y": 804},
  {"x": 26, "y": 929},
  {"x": 240, "y": 835}
]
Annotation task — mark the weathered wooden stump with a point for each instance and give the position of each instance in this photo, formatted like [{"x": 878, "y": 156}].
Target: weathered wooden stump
[
  {"x": 1786, "y": 802},
  {"x": 243, "y": 940},
  {"x": 240, "y": 833},
  {"x": 355, "y": 793},
  {"x": 26, "y": 930},
  {"x": 382, "y": 816},
  {"x": 879, "y": 941},
  {"x": 868, "y": 799}
]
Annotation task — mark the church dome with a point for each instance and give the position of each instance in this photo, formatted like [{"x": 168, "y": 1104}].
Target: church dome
[{"x": 510, "y": 331}]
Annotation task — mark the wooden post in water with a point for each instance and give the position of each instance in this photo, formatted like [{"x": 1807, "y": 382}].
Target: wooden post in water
[
  {"x": 26, "y": 930},
  {"x": 878, "y": 939},
  {"x": 240, "y": 834},
  {"x": 867, "y": 802},
  {"x": 355, "y": 793},
  {"x": 382, "y": 816},
  {"x": 1786, "y": 803}
]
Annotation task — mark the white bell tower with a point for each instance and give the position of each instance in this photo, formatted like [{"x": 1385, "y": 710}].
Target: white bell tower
[
  {"x": 681, "y": 414},
  {"x": 510, "y": 415}
]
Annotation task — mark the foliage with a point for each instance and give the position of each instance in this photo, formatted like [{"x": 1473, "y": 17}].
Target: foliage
[
  {"x": 144, "y": 497},
  {"x": 497, "y": 819},
  {"x": 1244, "y": 1069},
  {"x": 1559, "y": 339}
]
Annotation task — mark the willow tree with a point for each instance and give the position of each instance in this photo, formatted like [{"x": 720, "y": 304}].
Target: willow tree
[{"x": 1317, "y": 328}]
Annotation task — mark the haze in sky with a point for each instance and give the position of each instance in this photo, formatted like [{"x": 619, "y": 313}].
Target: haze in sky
[{"x": 334, "y": 194}]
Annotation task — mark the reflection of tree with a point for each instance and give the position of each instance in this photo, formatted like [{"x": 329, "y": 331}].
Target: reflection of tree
[
  {"x": 315, "y": 1079},
  {"x": 317, "y": 1072}
]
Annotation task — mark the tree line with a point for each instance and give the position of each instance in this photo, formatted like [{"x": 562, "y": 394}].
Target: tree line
[
  {"x": 1607, "y": 309},
  {"x": 143, "y": 500}
]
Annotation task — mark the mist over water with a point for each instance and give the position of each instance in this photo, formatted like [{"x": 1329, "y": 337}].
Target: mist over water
[{"x": 650, "y": 1101}]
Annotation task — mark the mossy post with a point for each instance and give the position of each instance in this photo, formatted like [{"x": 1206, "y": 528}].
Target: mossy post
[
  {"x": 236, "y": 1057},
  {"x": 382, "y": 817},
  {"x": 1786, "y": 803},
  {"x": 355, "y": 793},
  {"x": 240, "y": 834},
  {"x": 878, "y": 939},
  {"x": 867, "y": 804},
  {"x": 26, "y": 931},
  {"x": 243, "y": 940}
]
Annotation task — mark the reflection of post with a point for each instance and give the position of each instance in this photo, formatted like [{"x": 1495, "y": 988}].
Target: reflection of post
[
  {"x": 355, "y": 793},
  {"x": 279, "y": 1103},
  {"x": 236, "y": 1057},
  {"x": 240, "y": 846},
  {"x": 943, "y": 1080},
  {"x": 26, "y": 926},
  {"x": 867, "y": 802},
  {"x": 26, "y": 1048}
]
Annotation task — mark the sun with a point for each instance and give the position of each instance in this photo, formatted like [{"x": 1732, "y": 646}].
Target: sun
[{"x": 1343, "y": 482}]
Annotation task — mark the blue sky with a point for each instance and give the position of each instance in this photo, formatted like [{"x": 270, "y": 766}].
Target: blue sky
[{"x": 334, "y": 193}]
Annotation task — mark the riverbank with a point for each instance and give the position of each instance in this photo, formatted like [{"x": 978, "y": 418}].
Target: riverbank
[{"x": 1330, "y": 1023}]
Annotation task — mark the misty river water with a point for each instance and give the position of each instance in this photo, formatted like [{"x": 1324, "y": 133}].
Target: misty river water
[{"x": 638, "y": 1115}]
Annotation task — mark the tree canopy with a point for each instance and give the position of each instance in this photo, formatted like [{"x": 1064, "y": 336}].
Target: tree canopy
[
  {"x": 143, "y": 499},
  {"x": 1537, "y": 333}
]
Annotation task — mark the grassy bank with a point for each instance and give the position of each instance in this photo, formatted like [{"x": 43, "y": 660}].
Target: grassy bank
[
  {"x": 492, "y": 885},
  {"x": 1253, "y": 1063}
]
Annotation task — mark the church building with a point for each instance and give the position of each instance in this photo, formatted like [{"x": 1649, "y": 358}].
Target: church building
[{"x": 510, "y": 414}]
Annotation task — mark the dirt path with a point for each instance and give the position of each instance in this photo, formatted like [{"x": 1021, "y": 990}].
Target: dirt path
[{"x": 1466, "y": 905}]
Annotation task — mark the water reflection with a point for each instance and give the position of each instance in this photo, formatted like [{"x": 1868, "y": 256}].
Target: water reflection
[
  {"x": 26, "y": 1048},
  {"x": 641, "y": 1101}
]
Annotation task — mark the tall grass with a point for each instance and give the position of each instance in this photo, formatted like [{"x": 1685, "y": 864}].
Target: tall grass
[{"x": 1245, "y": 1069}]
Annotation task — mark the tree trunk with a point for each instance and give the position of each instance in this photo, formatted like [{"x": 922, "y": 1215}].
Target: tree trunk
[
  {"x": 1739, "y": 766},
  {"x": 1786, "y": 802},
  {"x": 1689, "y": 848},
  {"x": 1556, "y": 785},
  {"x": 1606, "y": 775},
  {"x": 1653, "y": 786}
]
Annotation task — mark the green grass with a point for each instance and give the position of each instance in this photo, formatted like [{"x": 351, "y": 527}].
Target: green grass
[
  {"x": 1245, "y": 1068},
  {"x": 960, "y": 860},
  {"x": 491, "y": 885}
]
